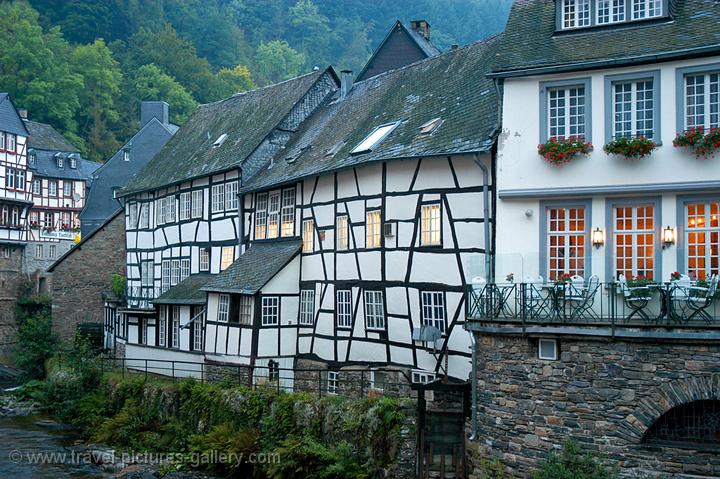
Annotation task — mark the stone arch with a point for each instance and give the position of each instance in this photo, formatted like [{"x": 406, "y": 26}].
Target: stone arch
[{"x": 669, "y": 395}]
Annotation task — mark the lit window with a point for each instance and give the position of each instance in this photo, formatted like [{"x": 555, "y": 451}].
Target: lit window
[
  {"x": 231, "y": 195},
  {"x": 245, "y": 310},
  {"x": 610, "y": 11},
  {"x": 223, "y": 308},
  {"x": 374, "y": 310},
  {"x": 566, "y": 112},
  {"x": 227, "y": 257},
  {"x": 184, "y": 269},
  {"x": 646, "y": 8},
  {"x": 288, "y": 212},
  {"x": 343, "y": 309},
  {"x": 430, "y": 127},
  {"x": 372, "y": 229},
  {"x": 197, "y": 204},
  {"x": 342, "y": 232},
  {"x": 702, "y": 236},
  {"x": 175, "y": 272},
  {"x": 433, "y": 310},
  {"x": 185, "y": 206},
  {"x": 261, "y": 216},
  {"x": 634, "y": 109},
  {"x": 634, "y": 241},
  {"x": 165, "y": 275},
  {"x": 576, "y": 13},
  {"x": 176, "y": 326},
  {"x": 430, "y": 225},
  {"x": 273, "y": 215},
  {"x": 218, "y": 198},
  {"x": 307, "y": 307},
  {"x": 333, "y": 380},
  {"x": 373, "y": 139},
  {"x": 702, "y": 100},
  {"x": 270, "y": 310},
  {"x": 566, "y": 229},
  {"x": 204, "y": 259},
  {"x": 308, "y": 245}
]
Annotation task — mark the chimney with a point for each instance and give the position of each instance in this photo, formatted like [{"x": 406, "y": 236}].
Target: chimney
[
  {"x": 23, "y": 113},
  {"x": 346, "y": 83},
  {"x": 422, "y": 27},
  {"x": 154, "y": 109}
]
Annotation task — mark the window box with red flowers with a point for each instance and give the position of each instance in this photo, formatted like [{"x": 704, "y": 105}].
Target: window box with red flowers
[
  {"x": 563, "y": 150},
  {"x": 703, "y": 143},
  {"x": 630, "y": 148}
]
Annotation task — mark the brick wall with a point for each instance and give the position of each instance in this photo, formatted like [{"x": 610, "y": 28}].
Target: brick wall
[
  {"x": 79, "y": 280},
  {"x": 604, "y": 394},
  {"x": 11, "y": 281}
]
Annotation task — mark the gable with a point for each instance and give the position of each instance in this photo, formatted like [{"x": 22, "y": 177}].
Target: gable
[
  {"x": 10, "y": 121},
  {"x": 398, "y": 50}
]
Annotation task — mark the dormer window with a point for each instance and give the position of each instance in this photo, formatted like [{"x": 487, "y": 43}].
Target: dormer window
[
  {"x": 31, "y": 157},
  {"x": 126, "y": 155},
  {"x": 574, "y": 14},
  {"x": 60, "y": 161},
  {"x": 73, "y": 163},
  {"x": 220, "y": 140},
  {"x": 375, "y": 138}
]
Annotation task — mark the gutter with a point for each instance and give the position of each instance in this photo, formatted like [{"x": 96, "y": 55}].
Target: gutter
[{"x": 597, "y": 64}]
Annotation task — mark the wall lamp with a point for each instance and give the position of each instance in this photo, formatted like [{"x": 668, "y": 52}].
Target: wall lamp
[
  {"x": 668, "y": 237},
  {"x": 598, "y": 237}
]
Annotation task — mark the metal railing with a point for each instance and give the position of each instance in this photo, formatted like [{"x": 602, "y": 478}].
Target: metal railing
[
  {"x": 320, "y": 382},
  {"x": 142, "y": 296},
  {"x": 656, "y": 304}
]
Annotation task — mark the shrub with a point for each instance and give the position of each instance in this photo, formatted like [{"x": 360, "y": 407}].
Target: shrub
[
  {"x": 704, "y": 144},
  {"x": 563, "y": 150},
  {"x": 572, "y": 464},
  {"x": 36, "y": 342},
  {"x": 307, "y": 457},
  {"x": 118, "y": 286},
  {"x": 228, "y": 440},
  {"x": 630, "y": 148}
]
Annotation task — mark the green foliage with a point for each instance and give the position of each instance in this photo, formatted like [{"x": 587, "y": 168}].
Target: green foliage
[
  {"x": 493, "y": 469},
  {"x": 227, "y": 439},
  {"x": 308, "y": 457},
  {"x": 118, "y": 285},
  {"x": 278, "y": 61},
  {"x": 36, "y": 341},
  {"x": 571, "y": 463},
  {"x": 630, "y": 148},
  {"x": 151, "y": 83}
]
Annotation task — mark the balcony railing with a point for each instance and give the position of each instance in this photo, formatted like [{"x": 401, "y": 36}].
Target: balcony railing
[
  {"x": 142, "y": 297},
  {"x": 661, "y": 304}
]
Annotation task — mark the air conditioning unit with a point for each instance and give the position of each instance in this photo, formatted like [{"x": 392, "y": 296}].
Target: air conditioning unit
[{"x": 390, "y": 229}]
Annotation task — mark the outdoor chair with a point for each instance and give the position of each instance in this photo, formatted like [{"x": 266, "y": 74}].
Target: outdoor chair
[
  {"x": 582, "y": 298},
  {"x": 535, "y": 301},
  {"x": 636, "y": 299},
  {"x": 694, "y": 300}
]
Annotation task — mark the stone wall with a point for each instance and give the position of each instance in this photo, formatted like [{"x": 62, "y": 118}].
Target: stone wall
[
  {"x": 78, "y": 281},
  {"x": 11, "y": 282},
  {"x": 604, "y": 394}
]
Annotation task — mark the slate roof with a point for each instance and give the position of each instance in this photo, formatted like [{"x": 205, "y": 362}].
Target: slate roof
[
  {"x": 452, "y": 86},
  {"x": 530, "y": 40},
  {"x": 10, "y": 121},
  {"x": 116, "y": 173},
  {"x": 45, "y": 137},
  {"x": 46, "y": 166},
  {"x": 247, "y": 118},
  {"x": 425, "y": 45},
  {"x": 252, "y": 270},
  {"x": 187, "y": 291}
]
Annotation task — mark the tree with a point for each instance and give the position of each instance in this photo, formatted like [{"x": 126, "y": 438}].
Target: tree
[
  {"x": 102, "y": 78},
  {"x": 278, "y": 61},
  {"x": 152, "y": 84},
  {"x": 233, "y": 80},
  {"x": 35, "y": 68},
  {"x": 311, "y": 32}
]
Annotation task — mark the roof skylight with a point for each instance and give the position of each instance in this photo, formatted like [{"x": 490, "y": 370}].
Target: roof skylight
[
  {"x": 430, "y": 127},
  {"x": 221, "y": 139},
  {"x": 375, "y": 138}
]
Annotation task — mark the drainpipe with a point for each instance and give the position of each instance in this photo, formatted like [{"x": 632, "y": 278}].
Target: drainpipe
[
  {"x": 489, "y": 275},
  {"x": 241, "y": 217}
]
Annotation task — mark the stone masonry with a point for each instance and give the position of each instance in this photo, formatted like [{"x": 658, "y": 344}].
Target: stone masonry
[
  {"x": 11, "y": 282},
  {"x": 604, "y": 394},
  {"x": 78, "y": 280}
]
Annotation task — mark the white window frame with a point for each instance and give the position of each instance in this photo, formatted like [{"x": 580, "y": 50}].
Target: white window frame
[
  {"x": 231, "y": 196},
  {"x": 261, "y": 201},
  {"x": 273, "y": 215},
  {"x": 198, "y": 332},
  {"x": 165, "y": 273},
  {"x": 373, "y": 229},
  {"x": 160, "y": 207},
  {"x": 287, "y": 212},
  {"x": 144, "y": 215},
  {"x": 307, "y": 307},
  {"x": 52, "y": 188},
  {"x": 616, "y": 11},
  {"x": 218, "y": 198},
  {"x": 37, "y": 186},
  {"x": 308, "y": 240},
  {"x": 245, "y": 310},
  {"x": 227, "y": 257},
  {"x": 637, "y": 236},
  {"x": 184, "y": 269},
  {"x": 270, "y": 310},
  {"x": 170, "y": 209},
  {"x": 146, "y": 273},
  {"x": 342, "y": 233},
  {"x": 67, "y": 188},
  {"x": 706, "y": 226},
  {"x": 204, "y": 261},
  {"x": 623, "y": 99},
  {"x": 223, "y": 312},
  {"x": 333, "y": 382},
  {"x": 52, "y": 251},
  {"x": 175, "y": 272},
  {"x": 175, "y": 336},
  {"x": 132, "y": 216},
  {"x": 567, "y": 111},
  {"x": 2, "y": 141},
  {"x": 569, "y": 239},
  {"x": 374, "y": 310},
  {"x": 576, "y": 14},
  {"x": 373, "y": 140},
  {"x": 431, "y": 225},
  {"x": 551, "y": 342},
  {"x": 12, "y": 143},
  {"x": 162, "y": 326},
  {"x": 343, "y": 308},
  {"x": 432, "y": 306},
  {"x": 185, "y": 205},
  {"x": 646, "y": 8},
  {"x": 39, "y": 251},
  {"x": 701, "y": 100},
  {"x": 196, "y": 209},
  {"x": 422, "y": 377}
]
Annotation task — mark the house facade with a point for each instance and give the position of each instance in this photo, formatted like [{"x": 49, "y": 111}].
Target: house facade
[
  {"x": 620, "y": 356},
  {"x": 365, "y": 215}
]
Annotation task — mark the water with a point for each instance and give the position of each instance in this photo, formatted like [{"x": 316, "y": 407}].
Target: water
[{"x": 20, "y": 438}]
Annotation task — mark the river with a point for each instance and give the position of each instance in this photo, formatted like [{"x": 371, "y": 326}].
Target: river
[{"x": 21, "y": 438}]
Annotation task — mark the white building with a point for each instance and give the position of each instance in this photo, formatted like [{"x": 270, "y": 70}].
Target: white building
[
  {"x": 366, "y": 212},
  {"x": 15, "y": 195}
]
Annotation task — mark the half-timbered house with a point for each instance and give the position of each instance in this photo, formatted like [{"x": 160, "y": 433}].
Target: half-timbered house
[{"x": 366, "y": 210}]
